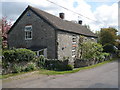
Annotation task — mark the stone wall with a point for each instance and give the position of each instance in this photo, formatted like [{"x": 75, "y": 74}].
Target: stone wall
[
  {"x": 64, "y": 40},
  {"x": 43, "y": 35}
]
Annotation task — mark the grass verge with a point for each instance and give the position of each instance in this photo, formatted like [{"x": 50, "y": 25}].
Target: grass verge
[
  {"x": 13, "y": 74},
  {"x": 50, "y": 72}
]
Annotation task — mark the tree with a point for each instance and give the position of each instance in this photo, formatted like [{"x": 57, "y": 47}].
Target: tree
[
  {"x": 118, "y": 41},
  {"x": 107, "y": 37},
  {"x": 6, "y": 25}
]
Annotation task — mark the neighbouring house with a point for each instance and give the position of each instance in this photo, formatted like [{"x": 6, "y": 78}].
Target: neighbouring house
[{"x": 47, "y": 34}]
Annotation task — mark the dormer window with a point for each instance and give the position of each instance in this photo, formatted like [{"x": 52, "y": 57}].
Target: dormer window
[{"x": 28, "y": 32}]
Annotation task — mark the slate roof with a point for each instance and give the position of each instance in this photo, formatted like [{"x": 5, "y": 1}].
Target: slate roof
[{"x": 61, "y": 24}]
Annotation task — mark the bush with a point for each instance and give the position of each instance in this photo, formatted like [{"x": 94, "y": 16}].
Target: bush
[
  {"x": 41, "y": 61},
  {"x": 58, "y": 65},
  {"x": 109, "y": 48},
  {"x": 18, "y": 55},
  {"x": 9, "y": 55},
  {"x": 92, "y": 52},
  {"x": 69, "y": 67},
  {"x": 118, "y": 53},
  {"x": 53, "y": 64},
  {"x": 30, "y": 67},
  {"x": 17, "y": 69}
]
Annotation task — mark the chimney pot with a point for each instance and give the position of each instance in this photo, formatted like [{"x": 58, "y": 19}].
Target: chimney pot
[
  {"x": 61, "y": 15},
  {"x": 80, "y": 22}
]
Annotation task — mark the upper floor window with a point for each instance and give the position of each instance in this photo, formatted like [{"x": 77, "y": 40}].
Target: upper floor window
[{"x": 28, "y": 32}]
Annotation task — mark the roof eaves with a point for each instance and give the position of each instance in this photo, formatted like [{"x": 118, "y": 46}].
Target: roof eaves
[{"x": 77, "y": 33}]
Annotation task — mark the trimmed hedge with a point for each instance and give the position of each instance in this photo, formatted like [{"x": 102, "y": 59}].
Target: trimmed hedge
[
  {"x": 15, "y": 60},
  {"x": 54, "y": 64},
  {"x": 18, "y": 55}
]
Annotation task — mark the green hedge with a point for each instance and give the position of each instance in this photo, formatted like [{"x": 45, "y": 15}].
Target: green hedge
[
  {"x": 54, "y": 64},
  {"x": 18, "y": 55}
]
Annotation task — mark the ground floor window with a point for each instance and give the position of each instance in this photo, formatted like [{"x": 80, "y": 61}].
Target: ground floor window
[{"x": 42, "y": 52}]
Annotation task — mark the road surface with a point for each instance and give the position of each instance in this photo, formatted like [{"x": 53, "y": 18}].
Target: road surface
[{"x": 105, "y": 76}]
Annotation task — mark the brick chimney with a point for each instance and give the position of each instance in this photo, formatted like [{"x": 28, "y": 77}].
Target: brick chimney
[{"x": 61, "y": 15}]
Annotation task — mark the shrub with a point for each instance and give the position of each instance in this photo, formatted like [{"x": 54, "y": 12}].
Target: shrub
[
  {"x": 18, "y": 55},
  {"x": 9, "y": 55},
  {"x": 30, "y": 67},
  {"x": 41, "y": 61},
  {"x": 53, "y": 64},
  {"x": 109, "y": 48},
  {"x": 17, "y": 69},
  {"x": 118, "y": 53},
  {"x": 92, "y": 52},
  {"x": 25, "y": 54},
  {"x": 57, "y": 65},
  {"x": 69, "y": 67}
]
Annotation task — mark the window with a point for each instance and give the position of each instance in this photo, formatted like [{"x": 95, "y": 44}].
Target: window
[
  {"x": 74, "y": 38},
  {"x": 28, "y": 32},
  {"x": 42, "y": 52}
]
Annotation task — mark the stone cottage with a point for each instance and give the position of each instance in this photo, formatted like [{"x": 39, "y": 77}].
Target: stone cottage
[{"x": 47, "y": 34}]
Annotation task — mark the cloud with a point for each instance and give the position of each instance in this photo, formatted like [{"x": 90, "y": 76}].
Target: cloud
[
  {"x": 105, "y": 15},
  {"x": 12, "y": 10}
]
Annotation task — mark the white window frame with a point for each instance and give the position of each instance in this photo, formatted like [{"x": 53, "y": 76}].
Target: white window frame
[
  {"x": 27, "y": 32},
  {"x": 74, "y": 37},
  {"x": 44, "y": 52}
]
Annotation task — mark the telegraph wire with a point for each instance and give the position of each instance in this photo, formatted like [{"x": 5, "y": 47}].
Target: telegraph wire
[{"x": 73, "y": 11}]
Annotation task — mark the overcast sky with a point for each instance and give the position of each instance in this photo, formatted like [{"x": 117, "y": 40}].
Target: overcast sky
[{"x": 104, "y": 13}]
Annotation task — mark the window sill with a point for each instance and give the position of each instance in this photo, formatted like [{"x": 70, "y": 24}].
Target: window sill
[{"x": 28, "y": 39}]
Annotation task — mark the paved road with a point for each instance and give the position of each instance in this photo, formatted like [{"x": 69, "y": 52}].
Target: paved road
[{"x": 105, "y": 76}]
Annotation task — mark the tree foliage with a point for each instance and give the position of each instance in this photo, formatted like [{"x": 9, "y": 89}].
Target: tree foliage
[
  {"x": 108, "y": 36},
  {"x": 5, "y": 25},
  {"x": 92, "y": 51}
]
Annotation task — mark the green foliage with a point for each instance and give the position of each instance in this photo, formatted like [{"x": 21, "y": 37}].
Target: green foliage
[
  {"x": 9, "y": 55},
  {"x": 108, "y": 48},
  {"x": 53, "y": 64},
  {"x": 30, "y": 67},
  {"x": 92, "y": 51},
  {"x": 108, "y": 36},
  {"x": 56, "y": 65},
  {"x": 41, "y": 61},
  {"x": 0, "y": 39},
  {"x": 18, "y": 55},
  {"x": 12, "y": 60},
  {"x": 118, "y": 53},
  {"x": 69, "y": 67},
  {"x": 17, "y": 69}
]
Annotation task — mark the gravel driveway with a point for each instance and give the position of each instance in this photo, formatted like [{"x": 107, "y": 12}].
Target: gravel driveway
[{"x": 105, "y": 76}]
